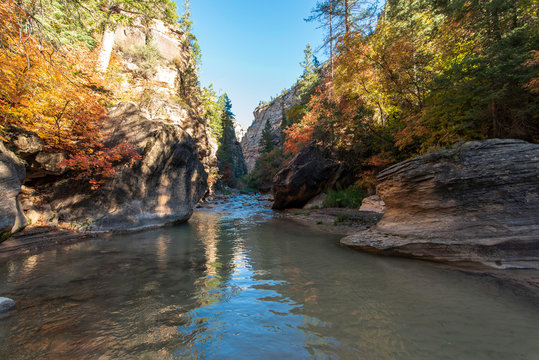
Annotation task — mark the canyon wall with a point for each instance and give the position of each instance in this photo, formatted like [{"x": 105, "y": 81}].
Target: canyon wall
[
  {"x": 158, "y": 114},
  {"x": 273, "y": 112},
  {"x": 160, "y": 77}
]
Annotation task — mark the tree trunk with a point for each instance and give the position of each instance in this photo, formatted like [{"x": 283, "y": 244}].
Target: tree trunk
[
  {"x": 331, "y": 37},
  {"x": 106, "y": 49},
  {"x": 346, "y": 17}
]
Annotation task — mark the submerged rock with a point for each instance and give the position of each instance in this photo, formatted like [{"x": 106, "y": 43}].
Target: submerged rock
[
  {"x": 12, "y": 173},
  {"x": 162, "y": 188},
  {"x": 6, "y": 304},
  {"x": 477, "y": 202},
  {"x": 306, "y": 176}
]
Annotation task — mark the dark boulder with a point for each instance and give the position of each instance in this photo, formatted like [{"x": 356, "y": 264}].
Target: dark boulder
[
  {"x": 477, "y": 202},
  {"x": 307, "y": 175}
]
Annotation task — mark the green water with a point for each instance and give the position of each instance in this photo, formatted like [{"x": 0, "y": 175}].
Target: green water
[{"x": 236, "y": 282}]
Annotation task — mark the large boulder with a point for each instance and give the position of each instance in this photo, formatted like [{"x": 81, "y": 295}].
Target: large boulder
[
  {"x": 162, "y": 188},
  {"x": 477, "y": 202},
  {"x": 307, "y": 175},
  {"x": 40, "y": 162},
  {"x": 12, "y": 173}
]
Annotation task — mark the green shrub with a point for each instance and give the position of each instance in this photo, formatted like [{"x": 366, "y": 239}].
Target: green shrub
[
  {"x": 146, "y": 57},
  {"x": 350, "y": 197}
]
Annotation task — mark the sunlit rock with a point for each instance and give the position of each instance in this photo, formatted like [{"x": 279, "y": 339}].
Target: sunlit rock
[
  {"x": 12, "y": 173},
  {"x": 373, "y": 204}
]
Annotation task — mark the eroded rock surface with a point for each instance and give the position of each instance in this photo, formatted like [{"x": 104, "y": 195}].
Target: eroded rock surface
[
  {"x": 307, "y": 175},
  {"x": 12, "y": 173},
  {"x": 477, "y": 202},
  {"x": 160, "y": 189},
  {"x": 163, "y": 88},
  {"x": 373, "y": 203}
]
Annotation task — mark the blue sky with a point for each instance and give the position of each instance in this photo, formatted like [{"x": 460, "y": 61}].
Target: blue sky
[{"x": 252, "y": 49}]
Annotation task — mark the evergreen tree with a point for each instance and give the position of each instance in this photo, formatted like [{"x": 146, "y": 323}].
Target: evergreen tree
[
  {"x": 186, "y": 26},
  {"x": 308, "y": 62},
  {"x": 266, "y": 142},
  {"x": 225, "y": 154}
]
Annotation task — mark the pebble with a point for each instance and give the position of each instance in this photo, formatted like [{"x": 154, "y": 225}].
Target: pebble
[{"x": 6, "y": 304}]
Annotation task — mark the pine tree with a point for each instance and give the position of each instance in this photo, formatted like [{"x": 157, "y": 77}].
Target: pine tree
[
  {"x": 266, "y": 142},
  {"x": 308, "y": 64}
]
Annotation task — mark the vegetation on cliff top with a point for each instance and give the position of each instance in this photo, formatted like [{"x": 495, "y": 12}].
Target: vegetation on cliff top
[{"x": 56, "y": 82}]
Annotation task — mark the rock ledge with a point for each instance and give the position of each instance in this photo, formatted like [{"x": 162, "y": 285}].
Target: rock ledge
[{"x": 475, "y": 203}]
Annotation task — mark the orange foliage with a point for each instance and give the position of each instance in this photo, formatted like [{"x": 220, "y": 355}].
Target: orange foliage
[
  {"x": 297, "y": 137},
  {"x": 533, "y": 85},
  {"x": 56, "y": 94}
]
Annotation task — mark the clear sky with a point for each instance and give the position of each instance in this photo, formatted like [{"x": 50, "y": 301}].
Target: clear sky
[{"x": 252, "y": 49}]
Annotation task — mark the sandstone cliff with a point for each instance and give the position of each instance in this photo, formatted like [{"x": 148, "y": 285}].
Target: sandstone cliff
[
  {"x": 273, "y": 112},
  {"x": 477, "y": 202},
  {"x": 160, "y": 116},
  {"x": 162, "y": 188},
  {"x": 160, "y": 76},
  {"x": 230, "y": 155}
]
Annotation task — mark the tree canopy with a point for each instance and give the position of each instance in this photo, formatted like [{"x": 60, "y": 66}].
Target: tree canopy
[{"x": 429, "y": 74}]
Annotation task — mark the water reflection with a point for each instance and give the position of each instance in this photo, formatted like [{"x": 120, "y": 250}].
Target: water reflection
[{"x": 237, "y": 283}]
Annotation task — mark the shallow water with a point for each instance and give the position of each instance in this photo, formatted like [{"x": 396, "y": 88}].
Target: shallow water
[{"x": 238, "y": 283}]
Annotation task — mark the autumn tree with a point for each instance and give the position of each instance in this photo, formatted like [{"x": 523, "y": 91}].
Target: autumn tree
[
  {"x": 55, "y": 94},
  {"x": 429, "y": 74}
]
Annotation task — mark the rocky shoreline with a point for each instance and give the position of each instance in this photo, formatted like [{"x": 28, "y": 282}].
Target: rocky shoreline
[{"x": 338, "y": 221}]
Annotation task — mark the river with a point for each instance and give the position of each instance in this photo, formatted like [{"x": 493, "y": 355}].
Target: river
[{"x": 238, "y": 282}]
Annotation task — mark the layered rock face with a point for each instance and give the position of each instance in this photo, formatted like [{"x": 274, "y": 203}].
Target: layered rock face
[
  {"x": 477, "y": 202},
  {"x": 272, "y": 112},
  {"x": 373, "y": 204},
  {"x": 160, "y": 189},
  {"x": 12, "y": 173},
  {"x": 307, "y": 175}
]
